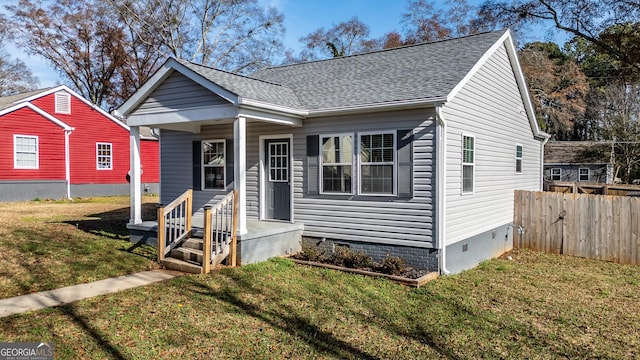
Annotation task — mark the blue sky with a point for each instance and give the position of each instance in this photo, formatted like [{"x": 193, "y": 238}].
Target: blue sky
[{"x": 301, "y": 18}]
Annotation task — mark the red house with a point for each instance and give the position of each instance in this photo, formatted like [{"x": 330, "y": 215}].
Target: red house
[{"x": 55, "y": 144}]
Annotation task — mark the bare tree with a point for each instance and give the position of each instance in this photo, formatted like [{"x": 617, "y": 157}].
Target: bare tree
[
  {"x": 342, "y": 39},
  {"x": 585, "y": 19},
  {"x": 237, "y": 36},
  {"x": 15, "y": 76}
]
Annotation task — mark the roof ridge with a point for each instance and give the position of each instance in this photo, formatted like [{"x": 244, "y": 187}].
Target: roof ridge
[{"x": 385, "y": 50}]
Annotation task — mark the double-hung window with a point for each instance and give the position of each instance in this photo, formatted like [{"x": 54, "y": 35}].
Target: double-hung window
[
  {"x": 518, "y": 159},
  {"x": 213, "y": 164},
  {"x": 556, "y": 174},
  {"x": 583, "y": 174},
  {"x": 104, "y": 156},
  {"x": 337, "y": 164},
  {"x": 468, "y": 163},
  {"x": 377, "y": 163},
  {"x": 25, "y": 152}
]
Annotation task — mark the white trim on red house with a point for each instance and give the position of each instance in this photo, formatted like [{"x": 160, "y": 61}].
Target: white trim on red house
[
  {"x": 76, "y": 95},
  {"x": 39, "y": 111}
]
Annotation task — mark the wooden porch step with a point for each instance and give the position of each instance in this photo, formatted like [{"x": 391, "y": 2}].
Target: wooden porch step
[
  {"x": 193, "y": 243},
  {"x": 179, "y": 265},
  {"x": 187, "y": 254}
]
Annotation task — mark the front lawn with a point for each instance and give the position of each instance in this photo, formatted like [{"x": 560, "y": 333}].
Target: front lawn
[
  {"x": 49, "y": 244},
  {"x": 537, "y": 306}
]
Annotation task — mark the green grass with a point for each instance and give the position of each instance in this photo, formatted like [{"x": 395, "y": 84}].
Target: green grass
[
  {"x": 537, "y": 306},
  {"x": 50, "y": 244}
]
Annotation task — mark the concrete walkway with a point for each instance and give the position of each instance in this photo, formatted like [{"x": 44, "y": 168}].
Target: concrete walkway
[{"x": 73, "y": 293}]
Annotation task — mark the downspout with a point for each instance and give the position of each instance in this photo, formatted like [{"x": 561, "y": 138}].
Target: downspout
[
  {"x": 545, "y": 139},
  {"x": 441, "y": 189},
  {"x": 67, "y": 162}
]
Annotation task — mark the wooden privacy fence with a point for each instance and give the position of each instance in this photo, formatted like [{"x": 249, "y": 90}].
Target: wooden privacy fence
[{"x": 591, "y": 226}]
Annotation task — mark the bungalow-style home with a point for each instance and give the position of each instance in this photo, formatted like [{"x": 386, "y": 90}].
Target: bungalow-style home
[
  {"x": 413, "y": 152},
  {"x": 56, "y": 144},
  {"x": 578, "y": 161}
]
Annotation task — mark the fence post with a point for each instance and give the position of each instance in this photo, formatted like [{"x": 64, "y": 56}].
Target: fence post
[
  {"x": 161, "y": 232},
  {"x": 206, "y": 249}
]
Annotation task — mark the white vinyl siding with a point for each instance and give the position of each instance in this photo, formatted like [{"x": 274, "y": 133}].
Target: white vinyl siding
[
  {"x": 63, "y": 103},
  {"x": 377, "y": 163},
  {"x": 104, "y": 156},
  {"x": 584, "y": 174},
  {"x": 25, "y": 152},
  {"x": 468, "y": 163},
  {"x": 336, "y": 164},
  {"x": 491, "y": 108},
  {"x": 518, "y": 159},
  {"x": 556, "y": 174},
  {"x": 213, "y": 164}
]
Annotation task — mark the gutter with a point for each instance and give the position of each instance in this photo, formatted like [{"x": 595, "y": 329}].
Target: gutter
[
  {"x": 441, "y": 170},
  {"x": 67, "y": 162}
]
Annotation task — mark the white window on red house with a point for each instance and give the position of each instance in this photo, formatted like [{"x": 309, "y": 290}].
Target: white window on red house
[
  {"x": 25, "y": 152},
  {"x": 63, "y": 103},
  {"x": 104, "y": 156}
]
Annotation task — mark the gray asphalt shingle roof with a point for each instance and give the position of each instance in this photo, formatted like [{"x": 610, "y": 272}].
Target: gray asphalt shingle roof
[{"x": 427, "y": 71}]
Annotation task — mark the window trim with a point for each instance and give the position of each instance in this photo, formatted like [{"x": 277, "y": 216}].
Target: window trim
[
  {"x": 559, "y": 174},
  {"x": 15, "y": 152},
  {"x": 321, "y": 164},
  {"x": 519, "y": 158},
  {"x": 98, "y": 156},
  {"x": 394, "y": 134},
  {"x": 224, "y": 166},
  {"x": 59, "y": 97},
  {"x": 580, "y": 175},
  {"x": 463, "y": 164}
]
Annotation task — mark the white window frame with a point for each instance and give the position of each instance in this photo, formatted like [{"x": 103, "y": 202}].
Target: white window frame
[
  {"x": 224, "y": 165},
  {"x": 98, "y": 156},
  {"x": 519, "y": 158},
  {"x": 15, "y": 152},
  {"x": 463, "y": 164},
  {"x": 580, "y": 175},
  {"x": 62, "y": 96},
  {"x": 353, "y": 163},
  {"x": 559, "y": 174},
  {"x": 394, "y": 177}
]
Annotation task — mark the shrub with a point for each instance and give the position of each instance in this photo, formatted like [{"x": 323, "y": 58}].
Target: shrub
[
  {"x": 393, "y": 265},
  {"x": 311, "y": 253},
  {"x": 344, "y": 256}
]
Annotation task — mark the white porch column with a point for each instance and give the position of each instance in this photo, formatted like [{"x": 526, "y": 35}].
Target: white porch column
[
  {"x": 240, "y": 170},
  {"x": 134, "y": 175}
]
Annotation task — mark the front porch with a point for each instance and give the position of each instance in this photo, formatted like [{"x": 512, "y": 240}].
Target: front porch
[{"x": 263, "y": 239}]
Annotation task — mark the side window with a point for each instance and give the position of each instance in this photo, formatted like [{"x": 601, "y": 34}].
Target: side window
[
  {"x": 377, "y": 154},
  {"x": 583, "y": 174},
  {"x": 63, "y": 103},
  {"x": 556, "y": 174},
  {"x": 104, "y": 156},
  {"x": 468, "y": 163},
  {"x": 337, "y": 164},
  {"x": 213, "y": 164},
  {"x": 25, "y": 152},
  {"x": 518, "y": 159}
]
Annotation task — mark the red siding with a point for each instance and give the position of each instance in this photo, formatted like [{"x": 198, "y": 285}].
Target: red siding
[
  {"x": 150, "y": 161},
  {"x": 25, "y": 121},
  {"x": 91, "y": 127}
]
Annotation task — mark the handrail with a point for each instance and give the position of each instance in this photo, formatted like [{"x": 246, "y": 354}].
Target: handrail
[
  {"x": 220, "y": 224},
  {"x": 174, "y": 223}
]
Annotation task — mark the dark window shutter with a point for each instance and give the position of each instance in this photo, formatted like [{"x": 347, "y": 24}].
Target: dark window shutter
[
  {"x": 197, "y": 165},
  {"x": 229, "y": 153},
  {"x": 404, "y": 145},
  {"x": 313, "y": 162}
]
